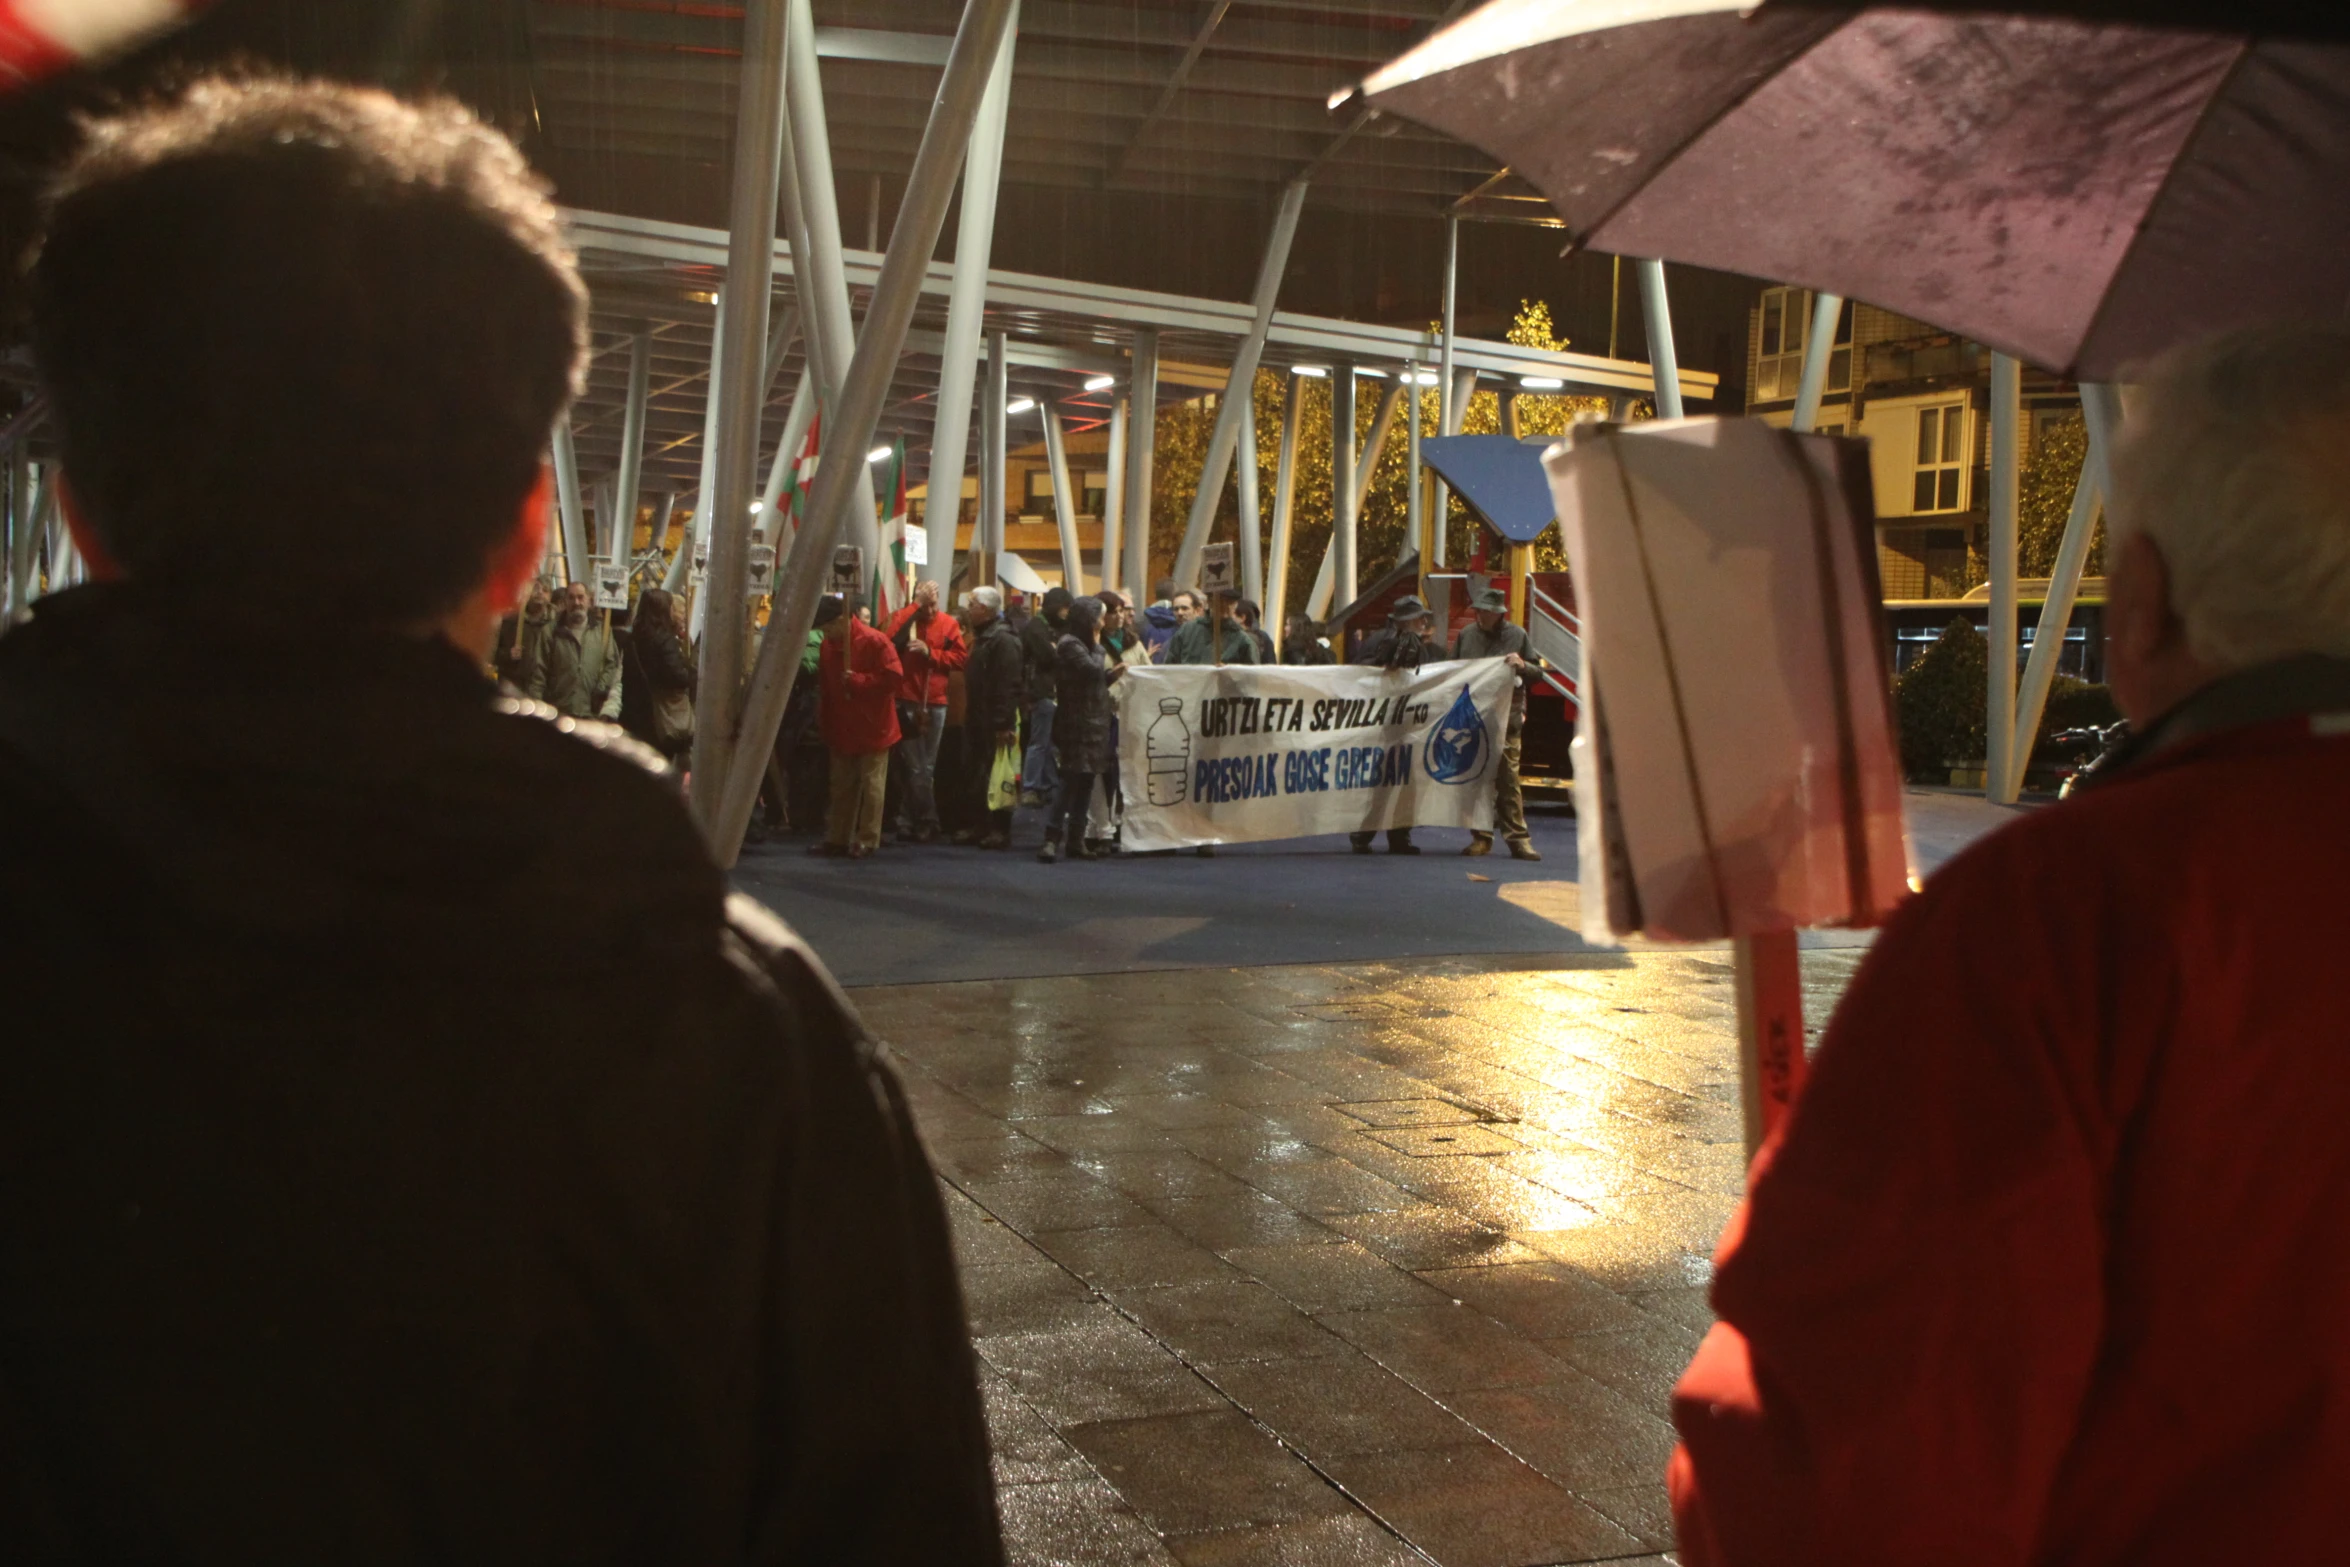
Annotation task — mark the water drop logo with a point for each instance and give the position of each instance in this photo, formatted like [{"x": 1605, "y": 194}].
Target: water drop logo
[{"x": 1459, "y": 748}]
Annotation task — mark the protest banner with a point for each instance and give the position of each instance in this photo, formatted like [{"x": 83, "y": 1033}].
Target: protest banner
[{"x": 1240, "y": 753}]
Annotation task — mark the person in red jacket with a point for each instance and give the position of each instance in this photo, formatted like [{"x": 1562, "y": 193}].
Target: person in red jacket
[
  {"x": 2047, "y": 1265},
  {"x": 857, "y": 681},
  {"x": 930, "y": 646}
]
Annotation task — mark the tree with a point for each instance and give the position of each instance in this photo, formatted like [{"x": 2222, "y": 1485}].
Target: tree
[
  {"x": 2046, "y": 487},
  {"x": 1940, "y": 704}
]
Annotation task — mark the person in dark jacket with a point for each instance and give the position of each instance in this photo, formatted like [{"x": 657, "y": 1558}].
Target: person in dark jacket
[
  {"x": 1407, "y": 641},
  {"x": 657, "y": 676},
  {"x": 1081, "y": 727},
  {"x": 1215, "y": 636},
  {"x": 1306, "y": 645},
  {"x": 354, "y": 1209},
  {"x": 1039, "y": 634},
  {"x": 1164, "y": 616},
  {"x": 1251, "y": 616},
  {"x": 1495, "y": 635},
  {"x": 994, "y": 680}
]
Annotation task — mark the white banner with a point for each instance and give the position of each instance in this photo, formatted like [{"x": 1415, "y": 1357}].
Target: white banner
[{"x": 1243, "y": 753}]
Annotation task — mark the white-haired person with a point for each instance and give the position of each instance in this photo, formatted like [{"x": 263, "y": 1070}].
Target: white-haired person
[
  {"x": 994, "y": 681},
  {"x": 2048, "y": 1265}
]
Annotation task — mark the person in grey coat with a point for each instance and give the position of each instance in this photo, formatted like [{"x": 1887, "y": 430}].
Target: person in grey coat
[
  {"x": 1495, "y": 636},
  {"x": 1081, "y": 727}
]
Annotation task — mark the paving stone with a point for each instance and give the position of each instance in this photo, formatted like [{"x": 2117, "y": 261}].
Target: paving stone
[
  {"x": 1334, "y": 1277},
  {"x": 1443, "y": 1349},
  {"x": 1209, "y": 1324},
  {"x": 1351, "y": 1541},
  {"x": 1106, "y": 1369},
  {"x": 1344, "y": 1404},
  {"x": 1642, "y": 1365},
  {"x": 1216, "y": 1470},
  {"x": 1431, "y": 1236},
  {"x": 1644, "y": 1511},
  {"x": 1035, "y": 1296},
  {"x": 1256, "y": 1220},
  {"x": 1133, "y": 1256},
  {"x": 1539, "y": 1299},
  {"x": 1573, "y": 1429},
  {"x": 1076, "y": 1523},
  {"x": 1476, "y": 1506}
]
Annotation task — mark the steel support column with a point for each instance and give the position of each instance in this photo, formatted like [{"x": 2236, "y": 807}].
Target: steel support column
[
  {"x": 1276, "y": 599},
  {"x": 958, "y": 364},
  {"x": 1664, "y": 365},
  {"x": 1346, "y": 513},
  {"x": 994, "y": 443},
  {"x": 913, "y": 239},
  {"x": 1825, "y": 309},
  {"x": 1056, "y": 451},
  {"x": 1415, "y": 500},
  {"x": 1448, "y": 413},
  {"x": 2007, "y": 401},
  {"x": 1114, "y": 495},
  {"x": 740, "y": 393},
  {"x": 1252, "y": 531},
  {"x": 1375, "y": 447},
  {"x": 572, "y": 505},
  {"x": 823, "y": 279},
  {"x": 630, "y": 480},
  {"x": 2100, "y": 414},
  {"x": 1142, "y": 431},
  {"x": 697, "y": 528},
  {"x": 1239, "y": 399},
  {"x": 36, "y": 497}
]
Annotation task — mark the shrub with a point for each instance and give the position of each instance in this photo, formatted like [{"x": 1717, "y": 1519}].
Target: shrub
[
  {"x": 2076, "y": 704},
  {"x": 1939, "y": 704}
]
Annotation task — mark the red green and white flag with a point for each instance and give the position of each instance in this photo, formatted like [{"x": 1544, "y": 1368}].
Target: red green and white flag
[
  {"x": 793, "y": 502},
  {"x": 890, "y": 592}
]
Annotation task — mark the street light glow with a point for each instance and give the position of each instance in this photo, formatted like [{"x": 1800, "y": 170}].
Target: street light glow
[
  {"x": 1316, "y": 371},
  {"x": 878, "y": 454},
  {"x": 1019, "y": 405},
  {"x": 1540, "y": 383},
  {"x": 758, "y": 507},
  {"x": 1100, "y": 383}
]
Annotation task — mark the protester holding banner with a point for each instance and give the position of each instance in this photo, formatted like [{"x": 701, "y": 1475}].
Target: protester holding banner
[
  {"x": 1494, "y": 635},
  {"x": 1408, "y": 640}
]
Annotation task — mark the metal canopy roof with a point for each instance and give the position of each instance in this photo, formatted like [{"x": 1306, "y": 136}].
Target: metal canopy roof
[
  {"x": 1222, "y": 98},
  {"x": 660, "y": 278}
]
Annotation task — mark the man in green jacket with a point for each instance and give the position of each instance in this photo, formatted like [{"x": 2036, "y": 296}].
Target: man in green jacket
[
  {"x": 1216, "y": 637},
  {"x": 1495, "y": 636},
  {"x": 577, "y": 672}
]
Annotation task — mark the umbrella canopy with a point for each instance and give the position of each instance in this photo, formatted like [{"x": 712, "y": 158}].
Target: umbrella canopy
[
  {"x": 1500, "y": 477},
  {"x": 2079, "y": 194}
]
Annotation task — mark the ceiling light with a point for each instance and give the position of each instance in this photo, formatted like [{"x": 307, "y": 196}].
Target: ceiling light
[
  {"x": 1540, "y": 383},
  {"x": 1316, "y": 371},
  {"x": 1420, "y": 377},
  {"x": 1376, "y": 375},
  {"x": 1019, "y": 405},
  {"x": 758, "y": 507},
  {"x": 878, "y": 454},
  {"x": 1100, "y": 383}
]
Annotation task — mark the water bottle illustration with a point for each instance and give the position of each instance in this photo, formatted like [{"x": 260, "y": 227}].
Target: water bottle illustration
[
  {"x": 1167, "y": 748},
  {"x": 1459, "y": 747}
]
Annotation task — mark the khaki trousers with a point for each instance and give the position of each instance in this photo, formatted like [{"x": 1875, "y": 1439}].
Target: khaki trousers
[
  {"x": 1509, "y": 795},
  {"x": 858, "y": 786}
]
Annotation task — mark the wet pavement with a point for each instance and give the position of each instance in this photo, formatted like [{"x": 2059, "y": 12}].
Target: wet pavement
[
  {"x": 1376, "y": 1262},
  {"x": 914, "y": 914}
]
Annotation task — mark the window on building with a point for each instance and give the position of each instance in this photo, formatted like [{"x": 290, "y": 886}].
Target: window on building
[
  {"x": 1942, "y": 458},
  {"x": 1786, "y": 328}
]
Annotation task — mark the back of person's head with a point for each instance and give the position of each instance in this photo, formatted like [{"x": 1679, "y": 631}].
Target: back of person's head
[
  {"x": 305, "y": 344},
  {"x": 656, "y": 616},
  {"x": 1056, "y": 602},
  {"x": 988, "y": 599},
  {"x": 1163, "y": 591},
  {"x": 2235, "y": 463},
  {"x": 1084, "y": 615}
]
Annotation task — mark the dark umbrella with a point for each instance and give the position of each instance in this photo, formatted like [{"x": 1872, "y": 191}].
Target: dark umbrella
[{"x": 2079, "y": 194}]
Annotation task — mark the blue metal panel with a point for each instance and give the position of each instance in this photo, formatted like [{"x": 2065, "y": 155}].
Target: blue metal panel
[{"x": 1501, "y": 478}]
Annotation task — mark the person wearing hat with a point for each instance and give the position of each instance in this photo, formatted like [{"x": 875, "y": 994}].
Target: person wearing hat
[
  {"x": 857, "y": 680},
  {"x": 1407, "y": 641},
  {"x": 1495, "y": 636}
]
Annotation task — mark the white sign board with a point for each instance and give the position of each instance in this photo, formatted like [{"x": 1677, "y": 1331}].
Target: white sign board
[
  {"x": 848, "y": 570},
  {"x": 611, "y": 585},
  {"x": 917, "y": 546},
  {"x": 1243, "y": 753},
  {"x": 760, "y": 571},
  {"x": 1215, "y": 569}
]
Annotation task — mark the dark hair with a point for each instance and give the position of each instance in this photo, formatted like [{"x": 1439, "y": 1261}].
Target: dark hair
[
  {"x": 654, "y": 619},
  {"x": 306, "y": 344},
  {"x": 1084, "y": 615},
  {"x": 1163, "y": 589}
]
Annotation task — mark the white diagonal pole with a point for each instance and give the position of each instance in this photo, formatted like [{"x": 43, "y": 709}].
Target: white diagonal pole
[
  {"x": 1664, "y": 362},
  {"x": 2007, "y": 414},
  {"x": 1276, "y": 599},
  {"x": 630, "y": 481},
  {"x": 1825, "y": 309},
  {"x": 697, "y": 527},
  {"x": 1114, "y": 494},
  {"x": 913, "y": 240},
  {"x": 1237, "y": 402},
  {"x": 571, "y": 503},
  {"x": 1056, "y": 448},
  {"x": 2100, "y": 413},
  {"x": 1252, "y": 530},
  {"x": 1142, "y": 430}
]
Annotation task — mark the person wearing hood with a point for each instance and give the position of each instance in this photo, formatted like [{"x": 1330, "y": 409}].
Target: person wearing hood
[
  {"x": 415, "y": 1151},
  {"x": 1082, "y": 674},
  {"x": 1163, "y": 617},
  {"x": 1039, "y": 635}
]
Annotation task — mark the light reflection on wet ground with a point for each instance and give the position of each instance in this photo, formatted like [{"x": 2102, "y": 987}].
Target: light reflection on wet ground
[{"x": 1335, "y": 1264}]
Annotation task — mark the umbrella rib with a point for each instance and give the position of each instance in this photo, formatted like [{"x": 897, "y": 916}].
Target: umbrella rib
[
  {"x": 2138, "y": 232},
  {"x": 1724, "y": 112}
]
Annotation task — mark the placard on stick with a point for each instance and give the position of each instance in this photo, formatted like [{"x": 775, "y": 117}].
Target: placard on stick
[
  {"x": 1215, "y": 569},
  {"x": 611, "y": 584}
]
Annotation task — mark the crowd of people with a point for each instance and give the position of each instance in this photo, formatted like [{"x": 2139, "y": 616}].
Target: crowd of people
[{"x": 936, "y": 725}]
